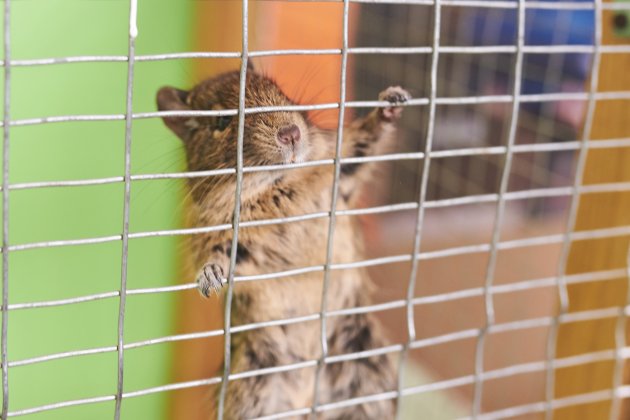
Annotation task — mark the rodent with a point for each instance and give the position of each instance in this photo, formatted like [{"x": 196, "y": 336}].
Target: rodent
[{"x": 279, "y": 138}]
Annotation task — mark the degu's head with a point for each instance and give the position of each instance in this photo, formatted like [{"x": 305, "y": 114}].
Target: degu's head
[{"x": 211, "y": 142}]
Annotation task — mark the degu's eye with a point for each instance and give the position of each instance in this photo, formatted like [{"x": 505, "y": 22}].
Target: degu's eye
[{"x": 223, "y": 122}]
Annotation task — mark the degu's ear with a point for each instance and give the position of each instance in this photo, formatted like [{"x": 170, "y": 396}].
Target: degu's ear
[{"x": 172, "y": 99}]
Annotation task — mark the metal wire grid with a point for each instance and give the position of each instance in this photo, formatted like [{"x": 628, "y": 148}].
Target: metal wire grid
[
  {"x": 133, "y": 33},
  {"x": 237, "y": 211},
  {"x": 571, "y": 223},
  {"x": 333, "y": 217},
  {"x": 500, "y": 213},
  {"x": 474, "y": 74},
  {"x": 411, "y": 328},
  {"x": 619, "y": 354}
]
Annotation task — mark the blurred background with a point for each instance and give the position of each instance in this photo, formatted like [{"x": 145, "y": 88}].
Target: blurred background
[{"x": 83, "y": 150}]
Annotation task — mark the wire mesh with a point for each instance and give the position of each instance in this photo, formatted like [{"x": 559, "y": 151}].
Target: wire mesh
[
  {"x": 332, "y": 215},
  {"x": 500, "y": 213},
  {"x": 133, "y": 33},
  {"x": 237, "y": 210},
  {"x": 572, "y": 220},
  {"x": 419, "y": 159}
]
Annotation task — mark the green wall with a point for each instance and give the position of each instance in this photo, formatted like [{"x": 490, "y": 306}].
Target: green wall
[{"x": 81, "y": 150}]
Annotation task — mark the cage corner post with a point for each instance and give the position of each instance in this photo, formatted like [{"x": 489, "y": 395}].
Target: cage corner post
[{"x": 595, "y": 382}]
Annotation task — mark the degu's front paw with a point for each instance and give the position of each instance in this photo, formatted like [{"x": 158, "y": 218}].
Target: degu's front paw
[
  {"x": 210, "y": 279},
  {"x": 395, "y": 95}
]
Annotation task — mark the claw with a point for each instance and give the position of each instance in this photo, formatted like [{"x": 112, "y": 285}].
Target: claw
[
  {"x": 210, "y": 279},
  {"x": 394, "y": 95}
]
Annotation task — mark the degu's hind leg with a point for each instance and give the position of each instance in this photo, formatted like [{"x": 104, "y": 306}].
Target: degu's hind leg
[
  {"x": 361, "y": 377},
  {"x": 264, "y": 393}
]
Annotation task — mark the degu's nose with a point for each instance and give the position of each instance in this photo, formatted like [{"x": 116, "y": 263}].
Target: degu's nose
[{"x": 289, "y": 135}]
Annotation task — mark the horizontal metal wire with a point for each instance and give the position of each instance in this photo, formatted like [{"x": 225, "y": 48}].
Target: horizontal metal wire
[
  {"x": 566, "y": 5},
  {"x": 538, "y": 407},
  {"x": 285, "y": 414},
  {"x": 467, "y": 380},
  {"x": 66, "y": 242},
  {"x": 63, "y": 302},
  {"x": 163, "y": 289},
  {"x": 173, "y": 387},
  {"x": 441, "y": 385},
  {"x": 63, "y": 355},
  {"x": 530, "y": 323},
  {"x": 457, "y": 382},
  {"x": 484, "y": 49},
  {"x": 464, "y": 100},
  {"x": 64, "y": 404},
  {"x": 356, "y": 401},
  {"x": 476, "y": 151},
  {"x": 623, "y": 391},
  {"x": 445, "y": 297},
  {"x": 516, "y": 195}
]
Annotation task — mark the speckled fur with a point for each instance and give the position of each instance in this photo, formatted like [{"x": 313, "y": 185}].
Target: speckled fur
[{"x": 210, "y": 144}]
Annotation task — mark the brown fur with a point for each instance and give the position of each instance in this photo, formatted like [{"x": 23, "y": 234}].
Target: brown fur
[{"x": 210, "y": 143}]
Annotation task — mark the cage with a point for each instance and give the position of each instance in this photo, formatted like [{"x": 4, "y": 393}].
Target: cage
[{"x": 497, "y": 232}]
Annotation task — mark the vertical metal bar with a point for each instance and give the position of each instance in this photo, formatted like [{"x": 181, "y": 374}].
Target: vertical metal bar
[
  {"x": 424, "y": 183},
  {"x": 237, "y": 214},
  {"x": 5, "y": 208},
  {"x": 500, "y": 213},
  {"x": 133, "y": 34},
  {"x": 333, "y": 206},
  {"x": 561, "y": 284}
]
